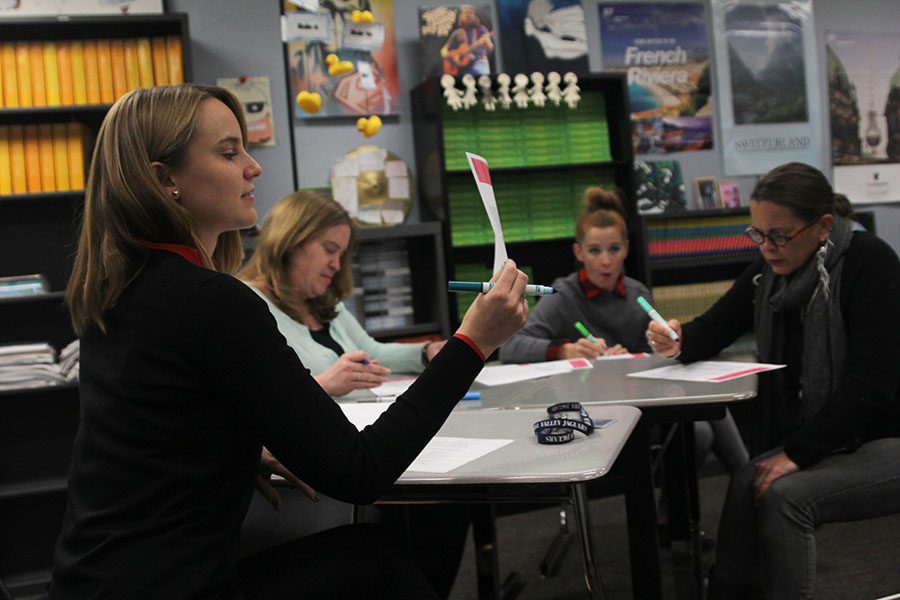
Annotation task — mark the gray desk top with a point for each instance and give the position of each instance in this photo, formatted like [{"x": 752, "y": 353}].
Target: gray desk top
[
  {"x": 526, "y": 461},
  {"x": 607, "y": 384}
]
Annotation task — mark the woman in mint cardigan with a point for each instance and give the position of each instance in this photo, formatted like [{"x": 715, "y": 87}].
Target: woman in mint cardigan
[{"x": 301, "y": 268}]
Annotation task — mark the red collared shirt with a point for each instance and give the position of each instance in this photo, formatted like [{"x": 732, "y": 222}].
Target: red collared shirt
[
  {"x": 188, "y": 253},
  {"x": 591, "y": 291}
]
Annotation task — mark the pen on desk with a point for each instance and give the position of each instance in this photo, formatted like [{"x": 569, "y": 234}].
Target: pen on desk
[
  {"x": 484, "y": 286},
  {"x": 657, "y": 317}
]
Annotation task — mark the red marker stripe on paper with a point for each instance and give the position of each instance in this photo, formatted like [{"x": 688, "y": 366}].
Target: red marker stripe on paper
[
  {"x": 481, "y": 171},
  {"x": 738, "y": 374}
]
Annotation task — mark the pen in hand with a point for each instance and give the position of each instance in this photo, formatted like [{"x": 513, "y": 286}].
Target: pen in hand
[
  {"x": 657, "y": 317},
  {"x": 485, "y": 286}
]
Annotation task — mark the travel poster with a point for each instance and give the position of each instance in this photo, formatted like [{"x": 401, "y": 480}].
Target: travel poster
[
  {"x": 768, "y": 94},
  {"x": 864, "y": 100},
  {"x": 664, "y": 50},
  {"x": 543, "y": 35},
  {"x": 659, "y": 186},
  {"x": 369, "y": 84},
  {"x": 457, "y": 40}
]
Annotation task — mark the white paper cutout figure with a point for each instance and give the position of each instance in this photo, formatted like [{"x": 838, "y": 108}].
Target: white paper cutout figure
[
  {"x": 488, "y": 100},
  {"x": 520, "y": 90},
  {"x": 451, "y": 93},
  {"x": 571, "y": 93},
  {"x": 537, "y": 90},
  {"x": 469, "y": 98},
  {"x": 503, "y": 93},
  {"x": 554, "y": 94}
]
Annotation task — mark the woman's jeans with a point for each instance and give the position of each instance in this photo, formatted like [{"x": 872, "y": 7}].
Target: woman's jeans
[{"x": 773, "y": 546}]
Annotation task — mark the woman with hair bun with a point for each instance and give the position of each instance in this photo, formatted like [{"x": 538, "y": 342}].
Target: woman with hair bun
[{"x": 599, "y": 295}]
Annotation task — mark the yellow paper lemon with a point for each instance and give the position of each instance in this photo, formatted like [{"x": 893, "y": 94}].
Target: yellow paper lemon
[
  {"x": 369, "y": 127},
  {"x": 310, "y": 102},
  {"x": 340, "y": 68},
  {"x": 356, "y": 15},
  {"x": 366, "y": 16},
  {"x": 331, "y": 59},
  {"x": 361, "y": 123}
]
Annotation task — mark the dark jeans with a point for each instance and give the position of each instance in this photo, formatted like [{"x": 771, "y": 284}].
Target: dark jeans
[
  {"x": 773, "y": 547},
  {"x": 352, "y": 561}
]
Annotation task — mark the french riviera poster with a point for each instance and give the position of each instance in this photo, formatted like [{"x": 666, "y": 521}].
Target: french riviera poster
[
  {"x": 864, "y": 99},
  {"x": 664, "y": 50},
  {"x": 365, "y": 82},
  {"x": 457, "y": 40},
  {"x": 543, "y": 35},
  {"x": 769, "y": 102}
]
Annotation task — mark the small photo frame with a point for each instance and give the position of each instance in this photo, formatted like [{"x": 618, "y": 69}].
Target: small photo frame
[
  {"x": 706, "y": 192},
  {"x": 730, "y": 194}
]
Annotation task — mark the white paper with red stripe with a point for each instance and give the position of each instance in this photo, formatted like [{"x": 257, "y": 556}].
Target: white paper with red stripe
[
  {"x": 482, "y": 176},
  {"x": 714, "y": 371}
]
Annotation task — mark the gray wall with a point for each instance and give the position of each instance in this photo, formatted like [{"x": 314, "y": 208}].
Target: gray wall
[{"x": 231, "y": 37}]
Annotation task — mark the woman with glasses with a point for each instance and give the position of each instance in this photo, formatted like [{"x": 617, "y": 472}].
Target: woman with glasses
[{"x": 823, "y": 299}]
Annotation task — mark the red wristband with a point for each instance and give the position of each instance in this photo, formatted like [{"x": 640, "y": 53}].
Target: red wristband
[{"x": 471, "y": 345}]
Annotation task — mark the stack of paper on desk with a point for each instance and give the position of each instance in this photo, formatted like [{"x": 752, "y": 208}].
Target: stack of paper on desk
[{"x": 498, "y": 375}]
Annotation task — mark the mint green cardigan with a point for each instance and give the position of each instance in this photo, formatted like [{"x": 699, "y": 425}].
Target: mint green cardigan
[{"x": 346, "y": 331}]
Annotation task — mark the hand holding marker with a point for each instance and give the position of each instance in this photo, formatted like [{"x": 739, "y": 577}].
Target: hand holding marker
[
  {"x": 485, "y": 286},
  {"x": 657, "y": 317},
  {"x": 590, "y": 337}
]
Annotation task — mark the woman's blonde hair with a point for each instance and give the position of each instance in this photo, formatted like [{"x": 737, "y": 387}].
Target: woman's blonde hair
[
  {"x": 602, "y": 208},
  {"x": 296, "y": 219},
  {"x": 125, "y": 204}
]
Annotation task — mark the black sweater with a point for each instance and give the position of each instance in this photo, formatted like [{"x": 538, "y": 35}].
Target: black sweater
[
  {"x": 866, "y": 403},
  {"x": 176, "y": 401}
]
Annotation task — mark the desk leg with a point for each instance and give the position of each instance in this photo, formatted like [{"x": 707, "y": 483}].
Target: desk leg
[
  {"x": 640, "y": 507},
  {"x": 585, "y": 536},
  {"x": 487, "y": 568},
  {"x": 683, "y": 506}
]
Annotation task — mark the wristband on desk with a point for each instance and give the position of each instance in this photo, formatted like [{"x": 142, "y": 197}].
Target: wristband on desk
[
  {"x": 471, "y": 344},
  {"x": 561, "y": 430}
]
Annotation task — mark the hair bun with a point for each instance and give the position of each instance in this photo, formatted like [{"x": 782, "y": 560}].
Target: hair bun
[{"x": 598, "y": 198}]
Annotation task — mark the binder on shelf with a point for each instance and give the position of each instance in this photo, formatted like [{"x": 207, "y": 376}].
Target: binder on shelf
[
  {"x": 60, "y": 157},
  {"x": 36, "y": 71},
  {"x": 23, "y": 74},
  {"x": 5, "y": 166},
  {"x": 17, "y": 160},
  {"x": 119, "y": 73},
  {"x": 23, "y": 285},
  {"x": 32, "y": 158},
  {"x": 175, "y": 59},
  {"x": 145, "y": 61},
  {"x": 160, "y": 61},
  {"x": 64, "y": 69},
  {"x": 75, "y": 154},
  {"x": 132, "y": 70},
  {"x": 79, "y": 82},
  {"x": 10, "y": 80},
  {"x": 105, "y": 71},
  {"x": 51, "y": 73},
  {"x": 91, "y": 72},
  {"x": 45, "y": 150}
]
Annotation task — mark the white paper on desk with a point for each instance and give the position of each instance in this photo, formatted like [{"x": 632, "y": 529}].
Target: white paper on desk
[
  {"x": 443, "y": 454},
  {"x": 707, "y": 370},
  {"x": 392, "y": 387},
  {"x": 621, "y": 356},
  {"x": 362, "y": 414},
  {"x": 482, "y": 176},
  {"x": 498, "y": 375}
]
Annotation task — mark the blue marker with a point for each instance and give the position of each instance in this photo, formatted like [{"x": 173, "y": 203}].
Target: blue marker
[
  {"x": 657, "y": 317},
  {"x": 472, "y": 396},
  {"x": 484, "y": 286}
]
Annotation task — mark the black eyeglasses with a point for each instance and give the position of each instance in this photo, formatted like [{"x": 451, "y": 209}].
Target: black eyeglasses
[{"x": 758, "y": 236}]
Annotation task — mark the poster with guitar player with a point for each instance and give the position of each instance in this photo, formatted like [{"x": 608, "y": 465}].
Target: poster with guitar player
[
  {"x": 457, "y": 40},
  {"x": 344, "y": 50}
]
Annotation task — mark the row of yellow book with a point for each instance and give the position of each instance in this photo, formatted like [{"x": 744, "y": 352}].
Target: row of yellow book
[
  {"x": 72, "y": 72},
  {"x": 41, "y": 157},
  {"x": 686, "y": 301}
]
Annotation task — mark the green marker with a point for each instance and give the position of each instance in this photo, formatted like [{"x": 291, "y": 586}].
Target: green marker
[
  {"x": 657, "y": 317},
  {"x": 584, "y": 331}
]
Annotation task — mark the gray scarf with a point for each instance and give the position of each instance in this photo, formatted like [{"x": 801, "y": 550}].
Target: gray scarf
[{"x": 814, "y": 289}]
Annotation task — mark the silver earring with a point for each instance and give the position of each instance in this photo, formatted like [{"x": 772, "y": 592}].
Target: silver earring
[{"x": 176, "y": 194}]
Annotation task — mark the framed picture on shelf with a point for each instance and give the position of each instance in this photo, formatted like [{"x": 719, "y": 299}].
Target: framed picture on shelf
[
  {"x": 729, "y": 193},
  {"x": 706, "y": 192}
]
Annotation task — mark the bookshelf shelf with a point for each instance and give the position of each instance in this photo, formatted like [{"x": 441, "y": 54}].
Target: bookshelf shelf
[
  {"x": 38, "y": 425},
  {"x": 541, "y": 160}
]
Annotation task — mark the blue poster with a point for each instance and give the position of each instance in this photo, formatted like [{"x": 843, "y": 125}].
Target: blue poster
[{"x": 664, "y": 50}]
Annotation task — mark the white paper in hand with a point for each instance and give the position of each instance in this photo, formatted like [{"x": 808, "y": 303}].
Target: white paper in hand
[{"x": 486, "y": 190}]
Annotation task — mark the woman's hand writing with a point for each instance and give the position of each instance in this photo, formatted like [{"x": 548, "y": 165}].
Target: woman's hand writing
[
  {"x": 352, "y": 371},
  {"x": 583, "y": 348},
  {"x": 659, "y": 339}
]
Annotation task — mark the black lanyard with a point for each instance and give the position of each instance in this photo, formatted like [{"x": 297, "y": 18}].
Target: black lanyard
[{"x": 560, "y": 428}]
